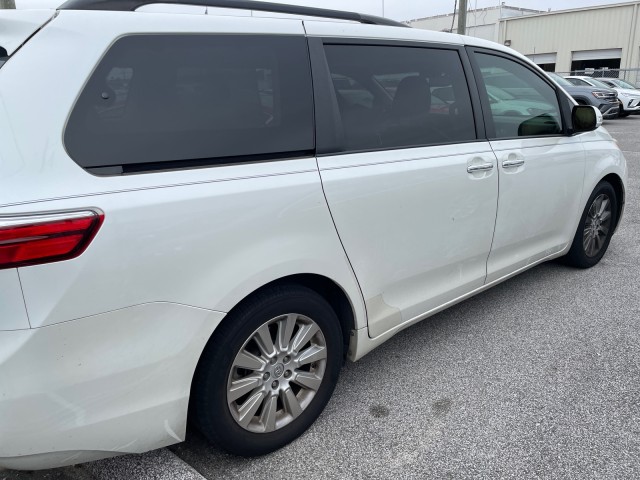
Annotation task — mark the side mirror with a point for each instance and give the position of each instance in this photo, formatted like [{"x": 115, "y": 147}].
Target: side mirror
[{"x": 585, "y": 118}]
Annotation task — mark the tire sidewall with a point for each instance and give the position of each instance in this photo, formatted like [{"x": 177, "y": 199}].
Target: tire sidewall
[
  {"x": 213, "y": 415},
  {"x": 577, "y": 255}
]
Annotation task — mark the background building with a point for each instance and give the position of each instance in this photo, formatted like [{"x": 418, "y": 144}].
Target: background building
[
  {"x": 590, "y": 39},
  {"x": 481, "y": 23}
]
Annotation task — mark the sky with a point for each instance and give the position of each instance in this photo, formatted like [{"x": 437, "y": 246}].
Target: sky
[{"x": 398, "y": 9}]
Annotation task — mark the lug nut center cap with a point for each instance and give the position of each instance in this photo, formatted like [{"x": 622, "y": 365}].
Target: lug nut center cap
[{"x": 278, "y": 370}]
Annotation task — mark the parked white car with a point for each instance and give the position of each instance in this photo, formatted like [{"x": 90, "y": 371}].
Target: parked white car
[
  {"x": 629, "y": 97},
  {"x": 206, "y": 214}
]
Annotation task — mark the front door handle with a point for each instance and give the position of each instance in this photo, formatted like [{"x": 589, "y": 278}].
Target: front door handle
[
  {"x": 482, "y": 167},
  {"x": 512, "y": 163}
]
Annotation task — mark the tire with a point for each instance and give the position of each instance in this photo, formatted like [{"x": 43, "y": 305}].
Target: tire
[
  {"x": 622, "y": 113},
  {"x": 287, "y": 404},
  {"x": 597, "y": 223}
]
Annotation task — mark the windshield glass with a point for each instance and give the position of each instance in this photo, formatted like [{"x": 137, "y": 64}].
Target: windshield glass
[
  {"x": 623, "y": 84},
  {"x": 559, "y": 80},
  {"x": 3, "y": 56},
  {"x": 598, "y": 83}
]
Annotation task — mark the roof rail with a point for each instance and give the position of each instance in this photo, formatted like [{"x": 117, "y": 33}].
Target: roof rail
[{"x": 132, "y": 5}]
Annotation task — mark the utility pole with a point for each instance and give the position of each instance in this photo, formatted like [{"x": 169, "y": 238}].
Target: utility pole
[
  {"x": 462, "y": 17},
  {"x": 7, "y": 4}
]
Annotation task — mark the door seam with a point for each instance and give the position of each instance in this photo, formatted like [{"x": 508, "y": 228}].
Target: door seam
[{"x": 335, "y": 227}]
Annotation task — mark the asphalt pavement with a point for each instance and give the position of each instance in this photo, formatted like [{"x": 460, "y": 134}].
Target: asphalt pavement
[{"x": 538, "y": 377}]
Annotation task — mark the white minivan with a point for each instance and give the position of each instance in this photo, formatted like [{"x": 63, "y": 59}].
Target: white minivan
[{"x": 202, "y": 215}]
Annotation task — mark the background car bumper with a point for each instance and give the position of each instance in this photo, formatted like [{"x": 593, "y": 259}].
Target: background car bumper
[
  {"x": 109, "y": 384},
  {"x": 631, "y": 106},
  {"x": 609, "y": 110}
]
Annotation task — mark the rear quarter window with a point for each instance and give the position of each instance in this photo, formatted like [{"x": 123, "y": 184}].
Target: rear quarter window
[{"x": 175, "y": 99}]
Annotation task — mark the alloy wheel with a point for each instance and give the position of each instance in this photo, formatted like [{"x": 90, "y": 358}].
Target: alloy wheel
[
  {"x": 597, "y": 225},
  {"x": 276, "y": 373}
]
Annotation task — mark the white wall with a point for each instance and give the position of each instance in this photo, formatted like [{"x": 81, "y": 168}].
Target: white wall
[
  {"x": 565, "y": 32},
  {"x": 476, "y": 19}
]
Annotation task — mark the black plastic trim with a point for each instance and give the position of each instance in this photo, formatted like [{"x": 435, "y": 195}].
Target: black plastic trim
[
  {"x": 133, "y": 168},
  {"x": 329, "y": 132},
  {"x": 474, "y": 93},
  {"x": 132, "y": 5},
  {"x": 383, "y": 42},
  {"x": 404, "y": 147}
]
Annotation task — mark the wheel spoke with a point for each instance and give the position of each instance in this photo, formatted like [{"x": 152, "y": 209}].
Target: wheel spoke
[
  {"x": 243, "y": 386},
  {"x": 285, "y": 330},
  {"x": 291, "y": 403},
  {"x": 598, "y": 241},
  {"x": 604, "y": 205},
  {"x": 588, "y": 245},
  {"x": 248, "y": 361},
  {"x": 268, "y": 415},
  {"x": 311, "y": 354},
  {"x": 250, "y": 407},
  {"x": 264, "y": 341},
  {"x": 307, "y": 380},
  {"x": 597, "y": 203},
  {"x": 304, "y": 334},
  {"x": 605, "y": 215}
]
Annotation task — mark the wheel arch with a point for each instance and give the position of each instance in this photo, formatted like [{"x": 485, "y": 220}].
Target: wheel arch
[
  {"x": 333, "y": 293},
  {"x": 618, "y": 187},
  {"x": 327, "y": 288}
]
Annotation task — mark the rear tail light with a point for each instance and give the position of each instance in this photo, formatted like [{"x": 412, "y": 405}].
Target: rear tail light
[{"x": 35, "y": 239}]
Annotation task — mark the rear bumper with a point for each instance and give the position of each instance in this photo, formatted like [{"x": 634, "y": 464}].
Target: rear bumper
[{"x": 105, "y": 385}]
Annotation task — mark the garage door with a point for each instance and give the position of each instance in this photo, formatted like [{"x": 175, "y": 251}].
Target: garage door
[{"x": 606, "y": 54}]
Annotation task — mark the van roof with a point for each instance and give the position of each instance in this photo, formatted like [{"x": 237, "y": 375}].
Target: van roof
[{"x": 132, "y": 5}]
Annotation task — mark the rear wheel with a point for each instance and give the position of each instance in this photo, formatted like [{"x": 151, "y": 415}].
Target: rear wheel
[
  {"x": 268, "y": 372},
  {"x": 595, "y": 229}
]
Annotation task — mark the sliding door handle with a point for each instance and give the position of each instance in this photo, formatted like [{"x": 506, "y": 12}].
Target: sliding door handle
[
  {"x": 512, "y": 163},
  {"x": 482, "y": 167}
]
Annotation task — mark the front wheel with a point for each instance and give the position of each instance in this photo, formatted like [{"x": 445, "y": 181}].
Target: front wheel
[
  {"x": 595, "y": 229},
  {"x": 268, "y": 371}
]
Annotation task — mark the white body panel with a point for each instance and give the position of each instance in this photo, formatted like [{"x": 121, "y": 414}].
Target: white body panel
[
  {"x": 97, "y": 389},
  {"x": 172, "y": 244},
  {"x": 185, "y": 247},
  {"x": 16, "y": 26},
  {"x": 603, "y": 158},
  {"x": 290, "y": 191},
  {"x": 100, "y": 360},
  {"x": 13, "y": 312},
  {"x": 535, "y": 200},
  {"x": 415, "y": 224}
]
